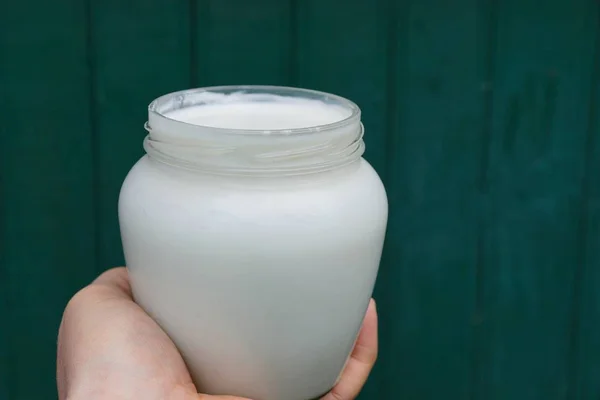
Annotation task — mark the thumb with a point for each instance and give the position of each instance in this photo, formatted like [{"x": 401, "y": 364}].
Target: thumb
[{"x": 208, "y": 397}]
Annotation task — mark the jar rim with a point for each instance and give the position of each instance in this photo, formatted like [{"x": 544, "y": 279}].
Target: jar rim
[{"x": 159, "y": 108}]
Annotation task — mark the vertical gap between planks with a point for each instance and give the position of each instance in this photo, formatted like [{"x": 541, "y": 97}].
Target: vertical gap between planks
[
  {"x": 396, "y": 58},
  {"x": 293, "y": 44},
  {"x": 392, "y": 99},
  {"x": 4, "y": 297},
  {"x": 93, "y": 122},
  {"x": 9, "y": 350},
  {"x": 193, "y": 41},
  {"x": 199, "y": 25},
  {"x": 392, "y": 117},
  {"x": 5, "y": 305},
  {"x": 489, "y": 26},
  {"x": 582, "y": 229}
]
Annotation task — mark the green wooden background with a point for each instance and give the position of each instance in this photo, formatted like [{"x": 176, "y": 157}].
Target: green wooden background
[{"x": 481, "y": 117}]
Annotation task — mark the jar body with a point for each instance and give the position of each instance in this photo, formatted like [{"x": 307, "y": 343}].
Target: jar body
[{"x": 262, "y": 283}]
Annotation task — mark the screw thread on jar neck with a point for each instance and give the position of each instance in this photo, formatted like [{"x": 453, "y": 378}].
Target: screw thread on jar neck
[{"x": 254, "y": 130}]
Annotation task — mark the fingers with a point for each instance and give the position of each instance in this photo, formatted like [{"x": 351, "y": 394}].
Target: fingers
[
  {"x": 108, "y": 344},
  {"x": 361, "y": 360},
  {"x": 114, "y": 285}
]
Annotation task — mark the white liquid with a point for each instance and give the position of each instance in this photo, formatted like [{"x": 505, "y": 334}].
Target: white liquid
[
  {"x": 262, "y": 283},
  {"x": 278, "y": 113}
]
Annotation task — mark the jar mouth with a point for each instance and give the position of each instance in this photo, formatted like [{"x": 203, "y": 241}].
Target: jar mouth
[
  {"x": 164, "y": 108},
  {"x": 300, "y": 146}
]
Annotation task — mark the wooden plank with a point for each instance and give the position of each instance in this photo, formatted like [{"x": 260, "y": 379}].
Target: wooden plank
[
  {"x": 47, "y": 230},
  {"x": 141, "y": 51},
  {"x": 540, "y": 103},
  {"x": 239, "y": 42},
  {"x": 435, "y": 159},
  {"x": 585, "y": 363}
]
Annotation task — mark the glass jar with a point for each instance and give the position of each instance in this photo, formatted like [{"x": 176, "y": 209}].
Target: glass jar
[{"x": 252, "y": 231}]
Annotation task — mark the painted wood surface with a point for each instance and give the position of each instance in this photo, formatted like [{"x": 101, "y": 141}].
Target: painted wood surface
[{"x": 481, "y": 117}]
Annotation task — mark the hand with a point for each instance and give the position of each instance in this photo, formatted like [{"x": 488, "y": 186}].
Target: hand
[{"x": 109, "y": 348}]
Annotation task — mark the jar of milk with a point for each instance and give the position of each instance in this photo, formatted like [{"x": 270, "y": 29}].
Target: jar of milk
[{"x": 252, "y": 231}]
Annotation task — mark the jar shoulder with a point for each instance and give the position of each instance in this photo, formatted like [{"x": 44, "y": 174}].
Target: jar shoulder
[{"x": 156, "y": 189}]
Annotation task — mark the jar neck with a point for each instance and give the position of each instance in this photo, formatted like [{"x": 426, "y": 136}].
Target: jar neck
[{"x": 233, "y": 151}]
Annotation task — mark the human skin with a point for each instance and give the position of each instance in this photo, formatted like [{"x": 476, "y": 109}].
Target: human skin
[{"x": 109, "y": 348}]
